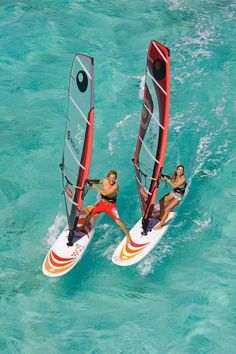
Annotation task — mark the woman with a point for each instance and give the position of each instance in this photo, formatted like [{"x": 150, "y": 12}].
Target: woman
[{"x": 173, "y": 198}]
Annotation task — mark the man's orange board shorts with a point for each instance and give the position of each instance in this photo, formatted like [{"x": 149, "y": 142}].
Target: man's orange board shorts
[{"x": 106, "y": 207}]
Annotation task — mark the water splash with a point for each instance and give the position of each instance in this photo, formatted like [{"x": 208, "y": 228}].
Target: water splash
[
  {"x": 55, "y": 229},
  {"x": 141, "y": 87},
  {"x": 147, "y": 265}
]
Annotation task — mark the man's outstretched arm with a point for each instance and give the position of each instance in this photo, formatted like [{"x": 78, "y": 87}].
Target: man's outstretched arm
[{"x": 96, "y": 181}]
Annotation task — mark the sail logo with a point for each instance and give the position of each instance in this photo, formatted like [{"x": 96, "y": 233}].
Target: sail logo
[
  {"x": 159, "y": 69},
  {"x": 74, "y": 146},
  {"x": 152, "y": 138},
  {"x": 79, "y": 134},
  {"x": 78, "y": 250},
  {"x": 82, "y": 81}
]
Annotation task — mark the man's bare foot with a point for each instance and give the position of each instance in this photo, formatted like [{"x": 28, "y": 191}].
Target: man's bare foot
[{"x": 128, "y": 237}]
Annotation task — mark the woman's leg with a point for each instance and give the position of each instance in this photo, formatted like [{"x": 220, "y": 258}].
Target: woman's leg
[
  {"x": 170, "y": 207},
  {"x": 167, "y": 198}
]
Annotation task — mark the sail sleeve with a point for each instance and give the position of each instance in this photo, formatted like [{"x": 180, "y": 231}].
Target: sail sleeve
[
  {"x": 79, "y": 134},
  {"x": 150, "y": 149}
]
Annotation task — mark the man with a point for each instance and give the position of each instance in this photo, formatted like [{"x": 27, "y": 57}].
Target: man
[{"x": 107, "y": 203}]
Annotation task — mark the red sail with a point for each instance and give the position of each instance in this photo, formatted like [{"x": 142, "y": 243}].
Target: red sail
[{"x": 153, "y": 131}]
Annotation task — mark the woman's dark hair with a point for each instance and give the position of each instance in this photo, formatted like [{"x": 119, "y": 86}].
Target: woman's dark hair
[
  {"x": 177, "y": 169},
  {"x": 180, "y": 166}
]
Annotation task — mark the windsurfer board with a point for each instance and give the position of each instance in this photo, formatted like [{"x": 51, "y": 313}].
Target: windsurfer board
[
  {"x": 62, "y": 258},
  {"x": 129, "y": 253}
]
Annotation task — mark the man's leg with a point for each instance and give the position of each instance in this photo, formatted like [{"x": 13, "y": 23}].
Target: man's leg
[
  {"x": 113, "y": 213},
  {"x": 86, "y": 222},
  {"x": 124, "y": 229},
  {"x": 78, "y": 229},
  {"x": 95, "y": 210}
]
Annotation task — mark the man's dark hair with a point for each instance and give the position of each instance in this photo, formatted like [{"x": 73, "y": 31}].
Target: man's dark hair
[{"x": 112, "y": 172}]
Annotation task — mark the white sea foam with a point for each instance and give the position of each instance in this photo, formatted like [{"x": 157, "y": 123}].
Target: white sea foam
[
  {"x": 122, "y": 122},
  {"x": 219, "y": 110},
  {"x": 180, "y": 79},
  {"x": 141, "y": 78},
  {"x": 177, "y": 122},
  {"x": 175, "y": 5},
  {"x": 55, "y": 229},
  {"x": 101, "y": 244},
  {"x": 200, "y": 52},
  {"x": 108, "y": 251},
  {"x": 202, "y": 223},
  {"x": 230, "y": 160},
  {"x": 202, "y": 153},
  {"x": 103, "y": 226},
  {"x": 195, "y": 40},
  {"x": 146, "y": 266},
  {"x": 205, "y": 32},
  {"x": 111, "y": 138},
  {"x": 121, "y": 131}
]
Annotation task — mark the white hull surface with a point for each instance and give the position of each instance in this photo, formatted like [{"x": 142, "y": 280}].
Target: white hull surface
[
  {"x": 62, "y": 258},
  {"x": 127, "y": 254}
]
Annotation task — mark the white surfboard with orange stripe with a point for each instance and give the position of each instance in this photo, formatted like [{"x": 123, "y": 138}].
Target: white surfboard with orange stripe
[
  {"x": 127, "y": 254},
  {"x": 61, "y": 258}
]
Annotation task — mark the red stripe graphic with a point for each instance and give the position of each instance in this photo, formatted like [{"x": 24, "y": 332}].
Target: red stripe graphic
[
  {"x": 60, "y": 258},
  {"x": 56, "y": 264}
]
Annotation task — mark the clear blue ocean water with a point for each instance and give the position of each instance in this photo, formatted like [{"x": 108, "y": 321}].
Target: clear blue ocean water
[{"x": 180, "y": 298}]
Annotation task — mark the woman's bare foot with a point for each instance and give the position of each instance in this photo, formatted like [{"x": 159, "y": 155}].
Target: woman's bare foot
[{"x": 158, "y": 227}]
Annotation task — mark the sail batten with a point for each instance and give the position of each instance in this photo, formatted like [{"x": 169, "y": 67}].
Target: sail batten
[
  {"x": 148, "y": 151},
  {"x": 89, "y": 76},
  {"x": 71, "y": 151},
  {"x": 153, "y": 116},
  {"x": 153, "y": 129},
  {"x": 157, "y": 83},
  {"x": 79, "y": 109},
  {"x": 159, "y": 51}
]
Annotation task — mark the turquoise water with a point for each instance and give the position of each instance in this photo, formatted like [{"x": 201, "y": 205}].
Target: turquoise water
[{"x": 179, "y": 299}]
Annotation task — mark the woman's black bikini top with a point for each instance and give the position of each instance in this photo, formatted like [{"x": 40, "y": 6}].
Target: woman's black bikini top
[{"x": 181, "y": 189}]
